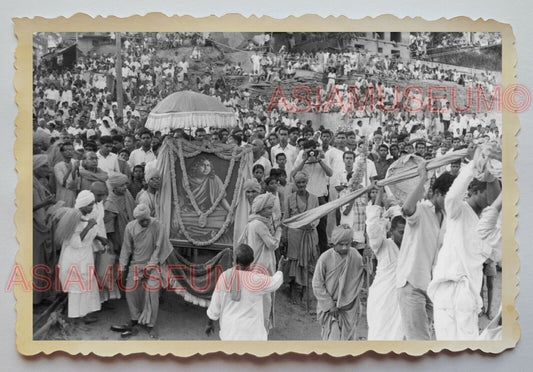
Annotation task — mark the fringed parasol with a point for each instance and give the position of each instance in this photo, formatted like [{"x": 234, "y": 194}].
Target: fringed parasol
[{"x": 183, "y": 110}]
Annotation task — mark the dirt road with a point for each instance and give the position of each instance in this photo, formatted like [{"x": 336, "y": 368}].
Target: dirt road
[{"x": 179, "y": 320}]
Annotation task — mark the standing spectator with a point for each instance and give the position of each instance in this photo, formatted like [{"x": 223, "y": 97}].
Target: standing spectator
[
  {"x": 89, "y": 171},
  {"x": 136, "y": 183},
  {"x": 311, "y": 161},
  {"x": 150, "y": 196},
  {"x": 302, "y": 243},
  {"x": 256, "y": 234},
  {"x": 107, "y": 161},
  {"x": 144, "y": 154},
  {"x": 382, "y": 164},
  {"x": 337, "y": 281},
  {"x": 76, "y": 236},
  {"x": 290, "y": 151},
  {"x": 43, "y": 253},
  {"x": 258, "y": 149},
  {"x": 118, "y": 209}
]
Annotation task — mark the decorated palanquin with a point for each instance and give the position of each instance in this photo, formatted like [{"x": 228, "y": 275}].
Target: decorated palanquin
[
  {"x": 202, "y": 198},
  {"x": 202, "y": 203},
  {"x": 203, "y": 206}
]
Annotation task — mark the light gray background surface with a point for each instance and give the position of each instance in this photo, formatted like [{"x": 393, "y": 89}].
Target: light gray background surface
[{"x": 517, "y": 13}]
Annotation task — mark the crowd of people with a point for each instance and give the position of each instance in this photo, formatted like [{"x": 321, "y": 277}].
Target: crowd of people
[
  {"x": 420, "y": 42},
  {"x": 95, "y": 201}
]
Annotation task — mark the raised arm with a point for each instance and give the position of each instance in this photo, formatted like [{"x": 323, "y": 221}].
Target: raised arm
[
  {"x": 298, "y": 165},
  {"x": 273, "y": 282},
  {"x": 456, "y": 194},
  {"x": 375, "y": 228},
  {"x": 409, "y": 207},
  {"x": 489, "y": 230},
  {"x": 325, "y": 168}
]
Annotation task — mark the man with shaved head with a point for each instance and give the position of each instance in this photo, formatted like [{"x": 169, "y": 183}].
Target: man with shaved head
[{"x": 89, "y": 171}]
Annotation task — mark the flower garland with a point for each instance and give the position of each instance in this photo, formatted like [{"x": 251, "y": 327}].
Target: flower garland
[
  {"x": 178, "y": 218},
  {"x": 202, "y": 220},
  {"x": 355, "y": 182},
  {"x": 210, "y": 150}
]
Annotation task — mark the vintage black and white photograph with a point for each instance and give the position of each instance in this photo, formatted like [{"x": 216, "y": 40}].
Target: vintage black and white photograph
[{"x": 267, "y": 186}]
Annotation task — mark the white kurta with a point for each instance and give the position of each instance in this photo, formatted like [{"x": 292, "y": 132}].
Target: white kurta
[
  {"x": 243, "y": 319},
  {"x": 458, "y": 275},
  {"x": 383, "y": 309},
  {"x": 77, "y": 273}
]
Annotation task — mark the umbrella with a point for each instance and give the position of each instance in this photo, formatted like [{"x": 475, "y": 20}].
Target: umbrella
[{"x": 188, "y": 109}]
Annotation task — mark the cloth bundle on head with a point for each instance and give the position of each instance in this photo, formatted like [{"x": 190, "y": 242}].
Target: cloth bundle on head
[
  {"x": 142, "y": 211},
  {"x": 116, "y": 180},
  {"x": 341, "y": 233},
  {"x": 85, "y": 197},
  {"x": 262, "y": 201},
  {"x": 151, "y": 173},
  {"x": 393, "y": 211},
  {"x": 252, "y": 185},
  {"x": 39, "y": 161}
]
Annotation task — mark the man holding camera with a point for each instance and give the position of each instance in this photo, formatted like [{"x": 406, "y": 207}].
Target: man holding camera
[{"x": 311, "y": 161}]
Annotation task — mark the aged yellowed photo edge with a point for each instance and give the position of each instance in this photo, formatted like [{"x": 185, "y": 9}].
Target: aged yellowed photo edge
[{"x": 24, "y": 28}]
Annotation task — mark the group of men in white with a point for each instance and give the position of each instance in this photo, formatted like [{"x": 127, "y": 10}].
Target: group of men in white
[{"x": 430, "y": 248}]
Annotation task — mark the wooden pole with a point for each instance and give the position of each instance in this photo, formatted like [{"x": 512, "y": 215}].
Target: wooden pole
[
  {"x": 52, "y": 319},
  {"x": 118, "y": 71},
  {"x": 50, "y": 309}
]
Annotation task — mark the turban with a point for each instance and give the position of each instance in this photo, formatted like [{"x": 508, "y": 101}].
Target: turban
[
  {"x": 141, "y": 211},
  {"x": 85, "y": 197},
  {"x": 341, "y": 233},
  {"x": 116, "y": 180},
  {"x": 301, "y": 176},
  {"x": 252, "y": 185},
  {"x": 151, "y": 173},
  {"x": 39, "y": 161},
  {"x": 262, "y": 201}
]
